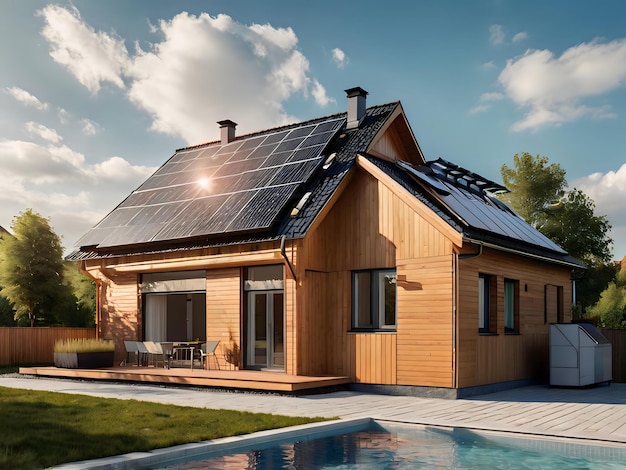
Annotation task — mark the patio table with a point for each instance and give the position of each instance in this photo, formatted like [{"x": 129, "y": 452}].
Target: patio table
[{"x": 185, "y": 350}]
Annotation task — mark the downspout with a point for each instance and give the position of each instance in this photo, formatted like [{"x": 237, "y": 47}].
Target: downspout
[
  {"x": 455, "y": 336},
  {"x": 282, "y": 252},
  {"x": 455, "y": 299}
]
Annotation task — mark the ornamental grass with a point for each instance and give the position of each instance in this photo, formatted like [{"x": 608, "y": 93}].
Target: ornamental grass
[{"x": 82, "y": 345}]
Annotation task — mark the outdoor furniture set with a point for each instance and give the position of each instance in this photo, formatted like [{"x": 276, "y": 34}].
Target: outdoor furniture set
[{"x": 167, "y": 354}]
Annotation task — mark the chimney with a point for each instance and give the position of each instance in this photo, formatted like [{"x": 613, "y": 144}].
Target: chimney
[
  {"x": 356, "y": 106},
  {"x": 227, "y": 131}
]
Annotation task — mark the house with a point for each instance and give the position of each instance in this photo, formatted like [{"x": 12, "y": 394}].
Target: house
[{"x": 333, "y": 247}]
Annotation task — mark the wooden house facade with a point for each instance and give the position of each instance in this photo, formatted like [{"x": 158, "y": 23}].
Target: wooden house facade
[{"x": 332, "y": 247}]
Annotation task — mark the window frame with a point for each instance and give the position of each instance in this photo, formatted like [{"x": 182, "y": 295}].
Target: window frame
[
  {"x": 374, "y": 311},
  {"x": 487, "y": 304},
  {"x": 511, "y": 306}
]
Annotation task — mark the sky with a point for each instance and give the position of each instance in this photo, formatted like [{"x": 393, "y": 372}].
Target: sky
[{"x": 95, "y": 96}]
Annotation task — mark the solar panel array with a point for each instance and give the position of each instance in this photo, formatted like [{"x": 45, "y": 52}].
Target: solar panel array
[
  {"x": 218, "y": 189},
  {"x": 469, "y": 197}
]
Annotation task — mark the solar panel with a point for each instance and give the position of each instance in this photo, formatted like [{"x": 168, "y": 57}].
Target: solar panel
[
  {"x": 219, "y": 189},
  {"x": 465, "y": 194}
]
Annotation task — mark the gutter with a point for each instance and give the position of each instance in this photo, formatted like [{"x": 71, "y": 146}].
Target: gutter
[
  {"x": 521, "y": 253},
  {"x": 282, "y": 252}
]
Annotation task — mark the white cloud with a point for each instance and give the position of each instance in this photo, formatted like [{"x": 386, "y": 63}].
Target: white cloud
[
  {"x": 89, "y": 127},
  {"x": 608, "y": 191},
  {"x": 57, "y": 182},
  {"x": 207, "y": 69},
  {"x": 496, "y": 34},
  {"x": 339, "y": 57},
  {"x": 204, "y": 69},
  {"x": 319, "y": 93},
  {"x": 484, "y": 102},
  {"x": 92, "y": 57},
  {"x": 26, "y": 98},
  {"x": 552, "y": 88},
  {"x": 520, "y": 36},
  {"x": 43, "y": 132}
]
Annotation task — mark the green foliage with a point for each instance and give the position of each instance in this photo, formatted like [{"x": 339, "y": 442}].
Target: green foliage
[
  {"x": 538, "y": 194},
  {"x": 37, "y": 285},
  {"x": 31, "y": 269},
  {"x": 610, "y": 310},
  {"x": 575, "y": 227},
  {"x": 534, "y": 186},
  {"x": 81, "y": 345},
  {"x": 592, "y": 283},
  {"x": 83, "y": 311},
  {"x": 43, "y": 429},
  {"x": 7, "y": 314}
]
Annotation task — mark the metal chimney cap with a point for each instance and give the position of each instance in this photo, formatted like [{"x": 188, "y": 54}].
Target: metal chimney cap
[{"x": 356, "y": 91}]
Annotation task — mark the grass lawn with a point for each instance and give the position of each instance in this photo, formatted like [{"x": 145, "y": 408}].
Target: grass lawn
[{"x": 40, "y": 429}]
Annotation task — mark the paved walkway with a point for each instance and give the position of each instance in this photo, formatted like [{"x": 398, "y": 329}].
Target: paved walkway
[{"x": 592, "y": 414}]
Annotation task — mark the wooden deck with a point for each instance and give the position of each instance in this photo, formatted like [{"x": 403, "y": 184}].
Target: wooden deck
[{"x": 239, "y": 379}]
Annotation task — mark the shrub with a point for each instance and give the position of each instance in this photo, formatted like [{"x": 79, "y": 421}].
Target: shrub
[{"x": 80, "y": 345}]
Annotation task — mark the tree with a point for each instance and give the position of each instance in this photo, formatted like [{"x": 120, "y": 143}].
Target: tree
[
  {"x": 83, "y": 311},
  {"x": 610, "y": 311},
  {"x": 534, "y": 184},
  {"x": 7, "y": 313},
  {"x": 31, "y": 269},
  {"x": 538, "y": 194}
]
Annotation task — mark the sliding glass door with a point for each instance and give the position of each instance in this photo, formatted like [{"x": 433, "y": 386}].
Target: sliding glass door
[
  {"x": 264, "y": 320},
  {"x": 265, "y": 330}
]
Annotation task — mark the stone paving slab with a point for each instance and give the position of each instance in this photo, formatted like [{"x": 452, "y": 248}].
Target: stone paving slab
[{"x": 597, "y": 414}]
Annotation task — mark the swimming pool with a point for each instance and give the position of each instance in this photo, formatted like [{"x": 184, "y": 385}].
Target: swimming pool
[{"x": 394, "y": 446}]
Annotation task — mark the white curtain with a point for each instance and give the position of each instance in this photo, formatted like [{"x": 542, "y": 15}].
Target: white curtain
[{"x": 156, "y": 318}]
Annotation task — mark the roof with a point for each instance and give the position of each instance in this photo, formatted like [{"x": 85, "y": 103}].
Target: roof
[
  {"x": 252, "y": 184},
  {"x": 263, "y": 186},
  {"x": 467, "y": 202}
]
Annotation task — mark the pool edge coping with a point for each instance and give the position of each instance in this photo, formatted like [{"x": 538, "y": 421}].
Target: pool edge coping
[{"x": 232, "y": 444}]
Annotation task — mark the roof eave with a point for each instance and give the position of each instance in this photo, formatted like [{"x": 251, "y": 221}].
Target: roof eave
[{"x": 574, "y": 264}]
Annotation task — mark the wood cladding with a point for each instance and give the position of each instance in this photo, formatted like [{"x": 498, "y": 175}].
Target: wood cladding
[
  {"x": 372, "y": 358},
  {"x": 369, "y": 227},
  {"x": 501, "y": 357},
  {"x": 425, "y": 323},
  {"x": 120, "y": 314},
  {"x": 223, "y": 312}
]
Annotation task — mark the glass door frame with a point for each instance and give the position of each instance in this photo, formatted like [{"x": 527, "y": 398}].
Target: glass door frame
[{"x": 270, "y": 334}]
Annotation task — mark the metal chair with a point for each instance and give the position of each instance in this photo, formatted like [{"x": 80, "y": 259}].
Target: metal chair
[
  {"x": 142, "y": 355},
  {"x": 207, "y": 350},
  {"x": 131, "y": 348},
  {"x": 156, "y": 353}
]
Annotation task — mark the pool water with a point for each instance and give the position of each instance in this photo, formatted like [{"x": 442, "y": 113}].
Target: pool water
[{"x": 411, "y": 447}]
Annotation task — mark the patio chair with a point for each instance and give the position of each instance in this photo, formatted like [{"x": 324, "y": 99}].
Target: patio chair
[
  {"x": 131, "y": 348},
  {"x": 142, "y": 355},
  {"x": 207, "y": 350},
  {"x": 156, "y": 353},
  {"x": 168, "y": 353}
]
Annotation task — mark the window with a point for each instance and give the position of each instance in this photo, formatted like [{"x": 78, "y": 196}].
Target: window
[
  {"x": 511, "y": 306},
  {"x": 374, "y": 299},
  {"x": 486, "y": 304}
]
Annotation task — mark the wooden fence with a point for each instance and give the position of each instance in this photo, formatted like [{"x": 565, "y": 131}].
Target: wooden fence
[{"x": 35, "y": 345}]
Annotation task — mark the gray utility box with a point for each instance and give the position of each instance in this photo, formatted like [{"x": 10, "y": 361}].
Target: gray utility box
[{"x": 579, "y": 355}]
